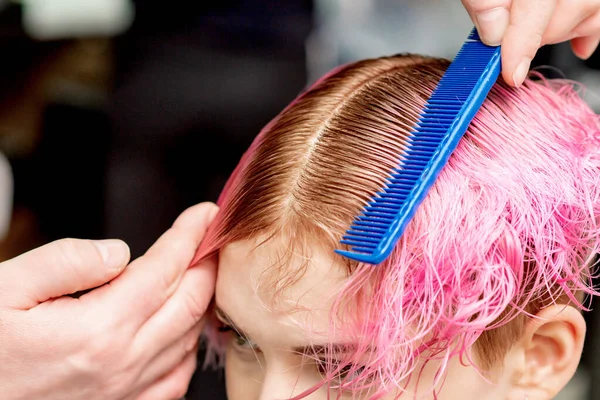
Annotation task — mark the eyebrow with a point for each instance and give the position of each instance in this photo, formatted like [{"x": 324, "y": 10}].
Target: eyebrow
[
  {"x": 310, "y": 349},
  {"x": 226, "y": 319}
]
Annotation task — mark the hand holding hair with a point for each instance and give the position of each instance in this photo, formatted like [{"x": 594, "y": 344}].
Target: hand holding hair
[
  {"x": 523, "y": 26},
  {"x": 134, "y": 337}
]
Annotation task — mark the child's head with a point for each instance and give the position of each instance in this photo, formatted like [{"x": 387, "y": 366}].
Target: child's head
[{"x": 480, "y": 297}]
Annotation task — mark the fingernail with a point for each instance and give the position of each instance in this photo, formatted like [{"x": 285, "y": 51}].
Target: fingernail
[
  {"x": 115, "y": 253},
  {"x": 492, "y": 25},
  {"x": 521, "y": 72}
]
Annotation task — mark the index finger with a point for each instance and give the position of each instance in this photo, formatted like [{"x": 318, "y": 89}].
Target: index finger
[
  {"x": 150, "y": 280},
  {"x": 523, "y": 37}
]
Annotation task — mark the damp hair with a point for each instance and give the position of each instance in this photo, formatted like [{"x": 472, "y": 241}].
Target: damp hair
[{"x": 509, "y": 227}]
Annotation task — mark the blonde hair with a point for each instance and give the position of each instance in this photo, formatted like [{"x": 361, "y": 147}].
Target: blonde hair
[{"x": 510, "y": 226}]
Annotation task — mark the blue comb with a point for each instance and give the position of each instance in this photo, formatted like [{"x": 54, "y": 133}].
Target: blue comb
[{"x": 446, "y": 117}]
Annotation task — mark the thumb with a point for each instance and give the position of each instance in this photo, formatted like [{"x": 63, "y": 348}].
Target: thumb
[
  {"x": 491, "y": 17},
  {"x": 60, "y": 268}
]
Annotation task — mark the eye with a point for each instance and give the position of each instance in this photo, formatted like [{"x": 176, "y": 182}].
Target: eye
[
  {"x": 351, "y": 372},
  {"x": 239, "y": 341},
  {"x": 347, "y": 373}
]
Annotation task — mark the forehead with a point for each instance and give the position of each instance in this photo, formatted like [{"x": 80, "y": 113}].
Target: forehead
[{"x": 249, "y": 289}]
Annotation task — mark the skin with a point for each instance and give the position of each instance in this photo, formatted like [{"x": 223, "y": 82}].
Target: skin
[
  {"x": 134, "y": 338},
  {"x": 260, "y": 363},
  {"x": 523, "y": 26}
]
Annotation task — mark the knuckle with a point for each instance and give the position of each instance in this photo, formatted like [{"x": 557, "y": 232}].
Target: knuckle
[
  {"x": 196, "y": 308},
  {"x": 589, "y": 8},
  {"x": 178, "y": 390},
  {"x": 93, "y": 357},
  {"x": 101, "y": 348},
  {"x": 190, "y": 343},
  {"x": 75, "y": 251},
  {"x": 104, "y": 360},
  {"x": 536, "y": 40},
  {"x": 520, "y": 47},
  {"x": 533, "y": 44}
]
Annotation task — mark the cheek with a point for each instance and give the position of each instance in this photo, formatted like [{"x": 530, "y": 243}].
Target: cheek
[
  {"x": 243, "y": 377},
  {"x": 464, "y": 382},
  {"x": 461, "y": 382}
]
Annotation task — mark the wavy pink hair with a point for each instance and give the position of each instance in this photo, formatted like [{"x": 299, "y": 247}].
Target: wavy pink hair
[{"x": 510, "y": 226}]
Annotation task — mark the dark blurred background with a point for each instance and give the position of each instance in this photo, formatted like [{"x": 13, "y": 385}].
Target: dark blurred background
[{"x": 117, "y": 115}]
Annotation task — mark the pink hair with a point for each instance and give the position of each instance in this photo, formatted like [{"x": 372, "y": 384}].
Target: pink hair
[{"x": 510, "y": 227}]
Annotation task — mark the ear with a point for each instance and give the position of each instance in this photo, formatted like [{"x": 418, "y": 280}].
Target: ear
[{"x": 548, "y": 353}]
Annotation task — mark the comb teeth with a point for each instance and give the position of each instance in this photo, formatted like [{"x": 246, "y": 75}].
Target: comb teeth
[{"x": 444, "y": 120}]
